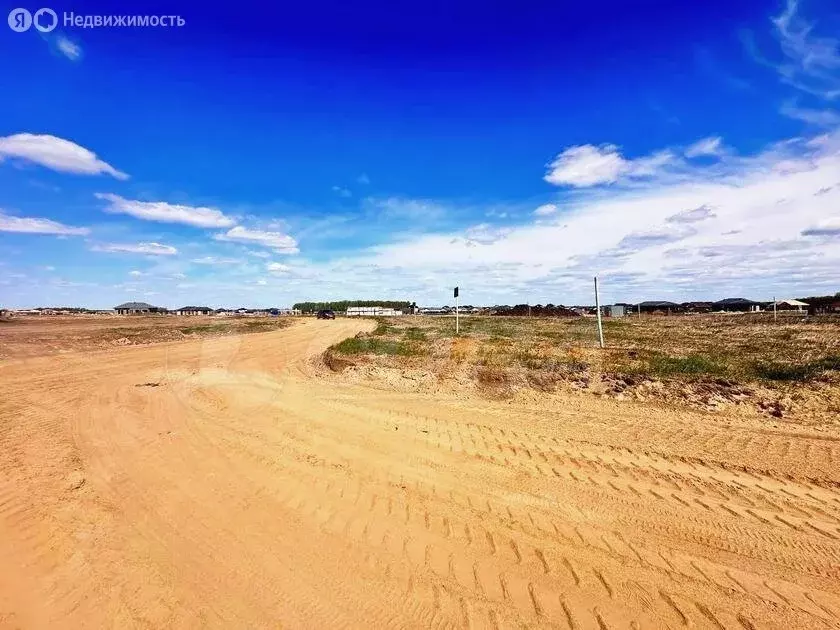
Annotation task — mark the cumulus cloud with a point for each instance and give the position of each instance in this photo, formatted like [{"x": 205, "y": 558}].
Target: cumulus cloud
[
  {"x": 56, "y": 154},
  {"x": 163, "y": 212},
  {"x": 35, "y": 225},
  {"x": 342, "y": 192},
  {"x": 277, "y": 267},
  {"x": 151, "y": 249},
  {"x": 278, "y": 241},
  {"x": 732, "y": 224},
  {"x": 589, "y": 165}
]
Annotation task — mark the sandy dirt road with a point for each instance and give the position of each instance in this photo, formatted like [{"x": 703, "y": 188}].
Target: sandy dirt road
[{"x": 220, "y": 483}]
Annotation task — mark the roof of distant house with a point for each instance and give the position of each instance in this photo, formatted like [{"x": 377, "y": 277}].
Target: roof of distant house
[
  {"x": 735, "y": 302},
  {"x": 792, "y": 302},
  {"x": 134, "y": 306},
  {"x": 195, "y": 308},
  {"x": 659, "y": 303}
]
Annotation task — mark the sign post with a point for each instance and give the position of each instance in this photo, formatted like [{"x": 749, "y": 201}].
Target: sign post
[
  {"x": 457, "y": 327},
  {"x": 598, "y": 313}
]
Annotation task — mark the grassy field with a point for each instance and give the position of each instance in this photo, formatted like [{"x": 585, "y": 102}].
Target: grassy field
[{"x": 729, "y": 356}]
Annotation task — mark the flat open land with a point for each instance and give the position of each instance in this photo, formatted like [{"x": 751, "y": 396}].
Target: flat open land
[{"x": 234, "y": 481}]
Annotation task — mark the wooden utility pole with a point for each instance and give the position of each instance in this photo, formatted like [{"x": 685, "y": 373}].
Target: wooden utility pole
[{"x": 598, "y": 314}]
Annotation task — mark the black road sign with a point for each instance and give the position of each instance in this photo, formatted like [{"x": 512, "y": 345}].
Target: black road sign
[{"x": 456, "y": 292}]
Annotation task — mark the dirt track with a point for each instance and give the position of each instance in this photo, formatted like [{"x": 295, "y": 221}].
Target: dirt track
[{"x": 219, "y": 483}]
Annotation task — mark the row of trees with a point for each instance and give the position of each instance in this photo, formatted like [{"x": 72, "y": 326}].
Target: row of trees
[
  {"x": 536, "y": 310},
  {"x": 341, "y": 305}
]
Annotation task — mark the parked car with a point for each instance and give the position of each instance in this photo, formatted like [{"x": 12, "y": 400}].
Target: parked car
[{"x": 326, "y": 314}]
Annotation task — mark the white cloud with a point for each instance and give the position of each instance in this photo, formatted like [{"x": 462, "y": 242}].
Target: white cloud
[
  {"x": 342, "y": 192},
  {"x": 402, "y": 208},
  {"x": 163, "y": 212},
  {"x": 258, "y": 254},
  {"x": 812, "y": 62},
  {"x": 276, "y": 267},
  {"x": 56, "y": 154},
  {"x": 545, "y": 210},
  {"x": 68, "y": 48},
  {"x": 816, "y": 117},
  {"x": 214, "y": 260},
  {"x": 34, "y": 225},
  {"x": 151, "y": 249},
  {"x": 692, "y": 215},
  {"x": 363, "y": 179},
  {"x": 706, "y": 146},
  {"x": 134, "y": 273},
  {"x": 261, "y": 282},
  {"x": 485, "y": 233},
  {"x": 589, "y": 165},
  {"x": 278, "y": 241},
  {"x": 826, "y": 227},
  {"x": 743, "y": 225}
]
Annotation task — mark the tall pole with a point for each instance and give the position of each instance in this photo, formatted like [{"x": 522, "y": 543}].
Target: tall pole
[
  {"x": 457, "y": 327},
  {"x": 639, "y": 308},
  {"x": 598, "y": 313},
  {"x": 774, "y": 309}
]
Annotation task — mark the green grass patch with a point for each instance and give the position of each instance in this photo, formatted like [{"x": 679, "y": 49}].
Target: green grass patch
[
  {"x": 777, "y": 371},
  {"x": 691, "y": 365},
  {"x": 204, "y": 328},
  {"x": 372, "y": 345},
  {"x": 415, "y": 334},
  {"x": 383, "y": 328}
]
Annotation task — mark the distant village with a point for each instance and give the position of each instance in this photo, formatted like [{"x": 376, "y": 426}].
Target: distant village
[{"x": 817, "y": 305}]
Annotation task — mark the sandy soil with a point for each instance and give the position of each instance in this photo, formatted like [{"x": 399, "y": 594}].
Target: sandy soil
[
  {"x": 223, "y": 483},
  {"x": 31, "y": 336}
]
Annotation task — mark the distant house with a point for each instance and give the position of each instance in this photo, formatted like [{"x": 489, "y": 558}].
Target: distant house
[
  {"x": 662, "y": 307},
  {"x": 697, "y": 307},
  {"x": 138, "y": 308},
  {"x": 791, "y": 305},
  {"x": 195, "y": 310},
  {"x": 737, "y": 305}
]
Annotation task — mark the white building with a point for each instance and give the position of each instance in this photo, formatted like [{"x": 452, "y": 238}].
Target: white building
[{"x": 372, "y": 311}]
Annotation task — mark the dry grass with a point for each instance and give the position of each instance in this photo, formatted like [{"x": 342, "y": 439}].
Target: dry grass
[{"x": 704, "y": 357}]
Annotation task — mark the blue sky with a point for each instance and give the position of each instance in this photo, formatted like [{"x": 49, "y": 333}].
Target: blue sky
[{"x": 340, "y": 150}]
